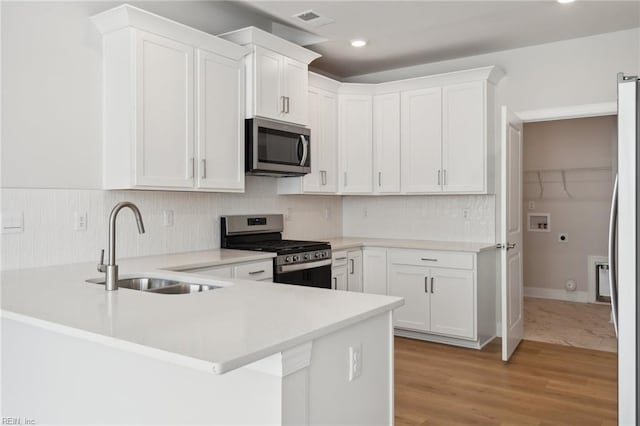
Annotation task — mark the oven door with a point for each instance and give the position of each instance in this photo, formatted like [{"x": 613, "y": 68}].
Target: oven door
[
  {"x": 313, "y": 274},
  {"x": 277, "y": 149}
]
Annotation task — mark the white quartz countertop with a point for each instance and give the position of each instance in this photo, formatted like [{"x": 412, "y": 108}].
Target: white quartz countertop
[
  {"x": 217, "y": 330},
  {"x": 345, "y": 243}
]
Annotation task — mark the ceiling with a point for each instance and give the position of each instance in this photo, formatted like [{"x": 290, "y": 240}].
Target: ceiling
[{"x": 405, "y": 33}]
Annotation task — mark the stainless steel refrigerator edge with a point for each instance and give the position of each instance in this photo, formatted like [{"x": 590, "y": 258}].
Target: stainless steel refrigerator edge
[{"x": 623, "y": 250}]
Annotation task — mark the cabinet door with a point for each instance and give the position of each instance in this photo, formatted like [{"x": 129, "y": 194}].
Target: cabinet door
[
  {"x": 220, "y": 128},
  {"x": 354, "y": 268},
  {"x": 464, "y": 138},
  {"x": 452, "y": 302},
  {"x": 386, "y": 143},
  {"x": 328, "y": 148},
  {"x": 422, "y": 140},
  {"x": 164, "y": 112},
  {"x": 410, "y": 282},
  {"x": 295, "y": 82},
  {"x": 312, "y": 182},
  {"x": 269, "y": 101},
  {"x": 374, "y": 270},
  {"x": 339, "y": 278},
  {"x": 355, "y": 123}
]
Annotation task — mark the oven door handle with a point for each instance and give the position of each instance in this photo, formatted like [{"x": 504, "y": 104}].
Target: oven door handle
[{"x": 301, "y": 266}]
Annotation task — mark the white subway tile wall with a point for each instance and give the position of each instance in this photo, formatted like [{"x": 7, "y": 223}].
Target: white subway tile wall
[
  {"x": 49, "y": 237},
  {"x": 440, "y": 218}
]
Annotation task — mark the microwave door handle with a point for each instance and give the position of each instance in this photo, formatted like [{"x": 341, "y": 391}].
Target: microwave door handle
[{"x": 305, "y": 149}]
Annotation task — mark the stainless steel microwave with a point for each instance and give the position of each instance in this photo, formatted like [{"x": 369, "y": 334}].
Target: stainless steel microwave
[{"x": 276, "y": 149}]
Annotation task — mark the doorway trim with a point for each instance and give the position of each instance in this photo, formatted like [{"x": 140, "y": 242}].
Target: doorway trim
[{"x": 568, "y": 112}]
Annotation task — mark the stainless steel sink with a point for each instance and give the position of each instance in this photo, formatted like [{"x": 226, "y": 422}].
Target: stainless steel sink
[{"x": 159, "y": 285}]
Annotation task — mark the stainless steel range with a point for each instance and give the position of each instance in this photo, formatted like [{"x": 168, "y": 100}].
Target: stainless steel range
[{"x": 306, "y": 263}]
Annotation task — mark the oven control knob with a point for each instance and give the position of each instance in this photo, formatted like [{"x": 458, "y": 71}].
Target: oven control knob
[
  {"x": 306, "y": 257},
  {"x": 296, "y": 258},
  {"x": 317, "y": 255},
  {"x": 287, "y": 259}
]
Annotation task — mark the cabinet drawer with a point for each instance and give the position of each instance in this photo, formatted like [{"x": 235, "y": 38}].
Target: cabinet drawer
[
  {"x": 254, "y": 271},
  {"x": 432, "y": 258},
  {"x": 339, "y": 258}
]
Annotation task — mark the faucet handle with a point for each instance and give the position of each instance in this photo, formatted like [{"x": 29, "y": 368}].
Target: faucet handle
[{"x": 101, "y": 265}]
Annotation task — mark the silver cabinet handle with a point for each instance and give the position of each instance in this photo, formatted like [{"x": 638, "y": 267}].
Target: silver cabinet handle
[
  {"x": 439, "y": 177},
  {"x": 613, "y": 274},
  {"x": 379, "y": 178},
  {"x": 335, "y": 283},
  {"x": 288, "y": 99},
  {"x": 340, "y": 258},
  {"x": 204, "y": 168},
  {"x": 283, "y": 110},
  {"x": 431, "y": 285},
  {"x": 323, "y": 177},
  {"x": 353, "y": 266},
  {"x": 429, "y": 259},
  {"x": 256, "y": 272},
  {"x": 305, "y": 149},
  {"x": 425, "y": 284},
  {"x": 444, "y": 179},
  {"x": 511, "y": 246}
]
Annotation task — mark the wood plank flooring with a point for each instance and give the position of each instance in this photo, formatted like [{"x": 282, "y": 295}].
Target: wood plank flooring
[{"x": 543, "y": 384}]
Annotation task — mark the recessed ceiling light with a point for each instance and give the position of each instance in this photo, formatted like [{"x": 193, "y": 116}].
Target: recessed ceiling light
[
  {"x": 358, "y": 43},
  {"x": 565, "y": 1}
]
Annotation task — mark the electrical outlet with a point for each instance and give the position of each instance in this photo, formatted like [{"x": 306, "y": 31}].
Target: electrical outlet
[
  {"x": 365, "y": 212},
  {"x": 327, "y": 213},
  {"x": 167, "y": 216},
  {"x": 355, "y": 361},
  {"x": 80, "y": 221},
  {"x": 466, "y": 213},
  {"x": 532, "y": 205},
  {"x": 288, "y": 214}
]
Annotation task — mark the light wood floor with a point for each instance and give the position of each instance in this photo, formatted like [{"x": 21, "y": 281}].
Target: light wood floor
[{"x": 543, "y": 384}]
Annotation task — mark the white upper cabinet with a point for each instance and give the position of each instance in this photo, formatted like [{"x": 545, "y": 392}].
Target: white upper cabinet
[
  {"x": 355, "y": 139},
  {"x": 220, "y": 132},
  {"x": 173, "y": 102},
  {"x": 277, "y": 75},
  {"x": 422, "y": 140},
  {"x": 464, "y": 137},
  {"x": 386, "y": 143},
  {"x": 164, "y": 112}
]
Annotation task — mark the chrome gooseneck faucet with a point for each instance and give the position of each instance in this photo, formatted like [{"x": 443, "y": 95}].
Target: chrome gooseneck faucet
[{"x": 111, "y": 269}]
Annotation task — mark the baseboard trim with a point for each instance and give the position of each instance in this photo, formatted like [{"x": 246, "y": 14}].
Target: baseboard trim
[{"x": 550, "y": 293}]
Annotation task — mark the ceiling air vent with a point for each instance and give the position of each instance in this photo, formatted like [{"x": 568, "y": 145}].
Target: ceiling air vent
[{"x": 312, "y": 18}]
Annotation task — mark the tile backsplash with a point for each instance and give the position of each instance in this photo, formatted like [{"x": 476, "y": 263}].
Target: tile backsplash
[
  {"x": 49, "y": 237},
  {"x": 438, "y": 217}
]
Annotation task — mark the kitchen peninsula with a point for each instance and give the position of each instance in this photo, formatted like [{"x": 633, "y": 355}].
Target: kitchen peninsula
[{"x": 245, "y": 353}]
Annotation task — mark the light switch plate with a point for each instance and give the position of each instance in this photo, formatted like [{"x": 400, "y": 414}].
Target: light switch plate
[
  {"x": 80, "y": 221},
  {"x": 355, "y": 361},
  {"x": 167, "y": 217}
]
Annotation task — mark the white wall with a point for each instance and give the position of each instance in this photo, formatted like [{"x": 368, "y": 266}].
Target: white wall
[
  {"x": 49, "y": 238},
  {"x": 421, "y": 217},
  {"x": 584, "y": 217}
]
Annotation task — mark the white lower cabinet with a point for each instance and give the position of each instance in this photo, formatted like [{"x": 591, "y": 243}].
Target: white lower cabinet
[
  {"x": 254, "y": 271},
  {"x": 346, "y": 270},
  {"x": 374, "y": 270},
  {"x": 354, "y": 270},
  {"x": 339, "y": 271},
  {"x": 449, "y": 296}
]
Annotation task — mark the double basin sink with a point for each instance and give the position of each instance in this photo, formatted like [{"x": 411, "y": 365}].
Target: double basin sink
[{"x": 159, "y": 285}]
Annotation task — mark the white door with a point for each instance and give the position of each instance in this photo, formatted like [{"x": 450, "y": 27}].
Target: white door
[
  {"x": 220, "y": 128},
  {"x": 339, "y": 278},
  {"x": 386, "y": 143},
  {"x": 511, "y": 234},
  {"x": 295, "y": 79},
  {"x": 421, "y": 140},
  {"x": 354, "y": 266},
  {"x": 374, "y": 270},
  {"x": 411, "y": 283},
  {"x": 463, "y": 137},
  {"x": 269, "y": 101},
  {"x": 356, "y": 143},
  {"x": 452, "y": 302},
  {"x": 164, "y": 112}
]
